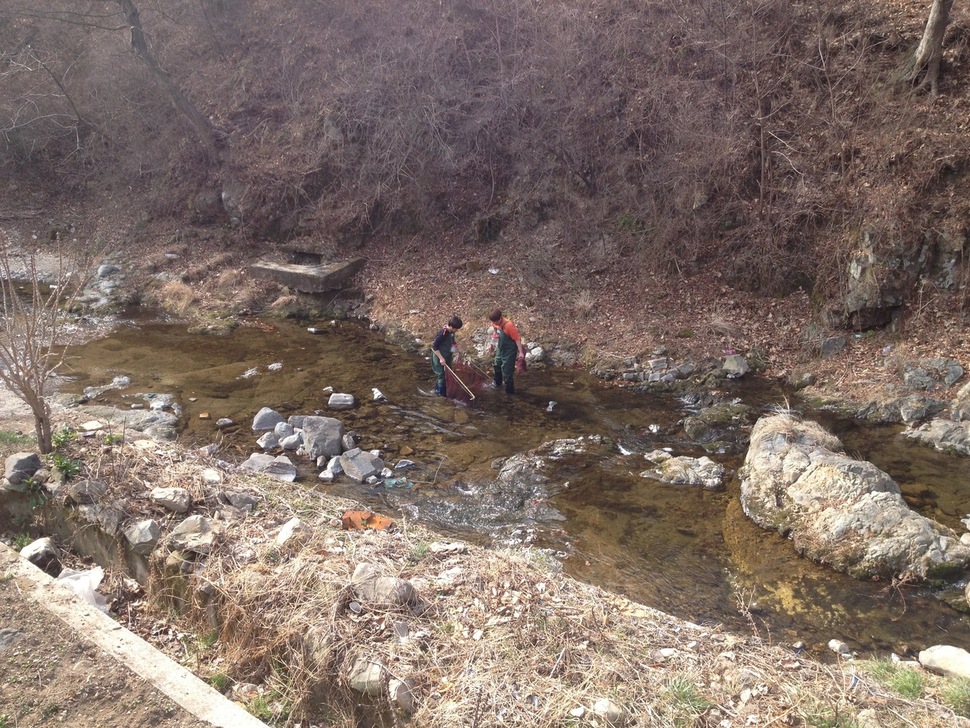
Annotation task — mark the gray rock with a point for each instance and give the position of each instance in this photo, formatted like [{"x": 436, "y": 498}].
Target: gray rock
[
  {"x": 194, "y": 534},
  {"x": 341, "y": 401},
  {"x": 381, "y": 592},
  {"x": 735, "y": 365},
  {"x": 322, "y": 436},
  {"x": 293, "y": 442},
  {"x": 610, "y": 713},
  {"x": 143, "y": 536},
  {"x": 119, "y": 382},
  {"x": 86, "y": 491},
  {"x": 686, "y": 471},
  {"x": 268, "y": 441},
  {"x": 831, "y": 345},
  {"x": 266, "y": 419},
  {"x": 43, "y": 554},
  {"x": 280, "y": 467},
  {"x": 177, "y": 500},
  {"x": 293, "y": 534},
  {"x": 944, "y": 435},
  {"x": 918, "y": 378},
  {"x": 238, "y": 499},
  {"x": 401, "y": 693},
  {"x": 107, "y": 518},
  {"x": 367, "y": 677},
  {"x": 20, "y": 466},
  {"x": 360, "y": 465},
  {"x": 284, "y": 430},
  {"x": 257, "y": 462},
  {"x": 8, "y": 636}
]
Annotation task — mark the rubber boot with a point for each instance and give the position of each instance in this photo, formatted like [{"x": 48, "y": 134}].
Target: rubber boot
[
  {"x": 509, "y": 387},
  {"x": 497, "y": 380}
]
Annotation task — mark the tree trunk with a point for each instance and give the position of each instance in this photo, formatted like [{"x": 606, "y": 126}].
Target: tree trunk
[
  {"x": 43, "y": 427},
  {"x": 929, "y": 54},
  {"x": 206, "y": 134}
]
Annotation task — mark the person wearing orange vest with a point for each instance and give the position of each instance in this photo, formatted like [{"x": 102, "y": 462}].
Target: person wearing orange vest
[{"x": 509, "y": 350}]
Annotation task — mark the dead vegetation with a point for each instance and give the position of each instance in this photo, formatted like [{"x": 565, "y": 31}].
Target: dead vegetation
[
  {"x": 494, "y": 637},
  {"x": 768, "y": 139}
]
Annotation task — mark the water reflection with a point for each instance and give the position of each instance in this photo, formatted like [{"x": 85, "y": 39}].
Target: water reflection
[{"x": 686, "y": 550}]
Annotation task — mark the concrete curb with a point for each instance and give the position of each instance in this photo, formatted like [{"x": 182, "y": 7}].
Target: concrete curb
[{"x": 94, "y": 626}]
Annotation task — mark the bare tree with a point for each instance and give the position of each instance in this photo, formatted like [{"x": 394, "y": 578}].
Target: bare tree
[
  {"x": 929, "y": 55},
  {"x": 205, "y": 132},
  {"x": 34, "y": 317},
  {"x": 101, "y": 16}
]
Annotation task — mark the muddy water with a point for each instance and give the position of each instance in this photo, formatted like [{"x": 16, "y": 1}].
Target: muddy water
[{"x": 688, "y": 551}]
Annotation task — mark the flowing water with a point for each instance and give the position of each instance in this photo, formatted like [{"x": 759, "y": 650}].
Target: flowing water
[{"x": 688, "y": 551}]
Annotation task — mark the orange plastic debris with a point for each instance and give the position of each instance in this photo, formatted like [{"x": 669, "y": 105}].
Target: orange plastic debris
[{"x": 359, "y": 520}]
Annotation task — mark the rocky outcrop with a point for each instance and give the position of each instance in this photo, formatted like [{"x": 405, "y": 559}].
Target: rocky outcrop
[
  {"x": 944, "y": 435},
  {"x": 843, "y": 512}
]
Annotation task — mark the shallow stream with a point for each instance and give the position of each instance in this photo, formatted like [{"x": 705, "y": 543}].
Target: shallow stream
[{"x": 688, "y": 551}]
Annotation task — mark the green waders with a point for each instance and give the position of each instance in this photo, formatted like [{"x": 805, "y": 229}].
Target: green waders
[
  {"x": 439, "y": 387},
  {"x": 506, "y": 353}
]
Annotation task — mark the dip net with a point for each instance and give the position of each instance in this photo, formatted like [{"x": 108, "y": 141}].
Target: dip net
[{"x": 463, "y": 372}]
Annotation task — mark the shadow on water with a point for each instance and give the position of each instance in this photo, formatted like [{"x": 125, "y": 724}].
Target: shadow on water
[{"x": 687, "y": 551}]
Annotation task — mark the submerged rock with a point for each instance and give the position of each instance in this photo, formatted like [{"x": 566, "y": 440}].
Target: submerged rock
[{"x": 684, "y": 470}]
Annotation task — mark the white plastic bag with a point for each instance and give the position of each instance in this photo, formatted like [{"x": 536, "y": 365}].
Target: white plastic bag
[{"x": 85, "y": 584}]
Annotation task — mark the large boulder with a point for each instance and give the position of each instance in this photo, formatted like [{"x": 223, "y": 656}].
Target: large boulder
[{"x": 843, "y": 512}]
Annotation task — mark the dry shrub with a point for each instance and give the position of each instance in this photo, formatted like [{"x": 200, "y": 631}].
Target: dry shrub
[
  {"x": 585, "y": 303},
  {"x": 204, "y": 270},
  {"x": 719, "y": 323},
  {"x": 794, "y": 429},
  {"x": 156, "y": 262},
  {"x": 249, "y": 296},
  {"x": 230, "y": 279},
  {"x": 284, "y": 302},
  {"x": 176, "y": 297}
]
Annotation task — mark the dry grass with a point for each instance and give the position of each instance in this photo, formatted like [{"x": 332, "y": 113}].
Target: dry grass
[
  {"x": 721, "y": 324},
  {"x": 176, "y": 297},
  {"x": 585, "y": 303},
  {"x": 794, "y": 429},
  {"x": 497, "y": 637},
  {"x": 283, "y": 302}
]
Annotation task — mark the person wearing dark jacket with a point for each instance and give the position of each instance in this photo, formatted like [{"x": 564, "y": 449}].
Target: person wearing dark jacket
[{"x": 442, "y": 351}]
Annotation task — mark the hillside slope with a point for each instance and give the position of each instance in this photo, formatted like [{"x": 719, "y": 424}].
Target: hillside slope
[{"x": 643, "y": 171}]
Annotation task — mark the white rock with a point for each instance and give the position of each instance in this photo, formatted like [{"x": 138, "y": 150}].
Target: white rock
[
  {"x": 294, "y": 533},
  {"x": 839, "y": 647},
  {"x": 947, "y": 660},
  {"x": 613, "y": 714},
  {"x": 401, "y": 693},
  {"x": 211, "y": 476}
]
